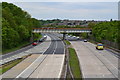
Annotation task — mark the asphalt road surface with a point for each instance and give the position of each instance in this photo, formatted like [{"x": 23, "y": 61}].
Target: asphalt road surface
[
  {"x": 96, "y": 63},
  {"x": 23, "y": 52},
  {"x": 48, "y": 64}
]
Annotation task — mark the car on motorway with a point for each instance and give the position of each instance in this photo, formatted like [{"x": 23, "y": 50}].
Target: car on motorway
[
  {"x": 34, "y": 43},
  {"x": 100, "y": 46},
  {"x": 43, "y": 38},
  {"x": 78, "y": 38},
  {"x": 85, "y": 40},
  {"x": 69, "y": 36},
  {"x": 74, "y": 36}
]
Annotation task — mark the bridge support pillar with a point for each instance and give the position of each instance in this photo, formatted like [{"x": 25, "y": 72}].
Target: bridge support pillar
[
  {"x": 64, "y": 35},
  {"x": 31, "y": 39}
]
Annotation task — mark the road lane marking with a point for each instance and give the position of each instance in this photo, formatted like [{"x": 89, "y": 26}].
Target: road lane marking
[
  {"x": 32, "y": 63},
  {"x": 102, "y": 61},
  {"x": 53, "y": 53},
  {"x": 63, "y": 58},
  {"x": 55, "y": 47},
  {"x": 107, "y": 59},
  {"x": 111, "y": 64}
]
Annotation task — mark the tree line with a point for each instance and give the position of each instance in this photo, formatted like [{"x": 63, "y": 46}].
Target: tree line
[
  {"x": 106, "y": 31},
  {"x": 17, "y": 25}
]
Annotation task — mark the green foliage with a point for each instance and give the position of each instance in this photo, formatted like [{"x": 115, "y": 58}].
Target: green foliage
[
  {"x": 23, "y": 32},
  {"x": 37, "y": 36},
  {"x": 106, "y": 31},
  {"x": 91, "y": 24},
  {"x": 67, "y": 42},
  {"x": 16, "y": 25},
  {"x": 84, "y": 35},
  {"x": 74, "y": 64},
  {"x": 3, "y": 69}
]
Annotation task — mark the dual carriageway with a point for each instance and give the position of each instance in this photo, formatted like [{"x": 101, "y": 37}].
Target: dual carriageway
[{"x": 48, "y": 58}]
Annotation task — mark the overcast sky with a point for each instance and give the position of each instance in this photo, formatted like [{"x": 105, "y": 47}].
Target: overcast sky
[
  {"x": 61, "y": 0},
  {"x": 71, "y": 10}
]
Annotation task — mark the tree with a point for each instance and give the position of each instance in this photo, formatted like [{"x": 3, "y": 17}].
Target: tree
[{"x": 16, "y": 25}]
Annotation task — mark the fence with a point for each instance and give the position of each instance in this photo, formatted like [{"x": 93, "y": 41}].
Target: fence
[{"x": 106, "y": 42}]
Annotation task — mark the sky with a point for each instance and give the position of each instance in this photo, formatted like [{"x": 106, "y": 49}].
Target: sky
[
  {"x": 61, "y": 0},
  {"x": 71, "y": 10}
]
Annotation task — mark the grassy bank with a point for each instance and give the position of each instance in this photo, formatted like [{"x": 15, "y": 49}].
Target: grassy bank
[
  {"x": 67, "y": 42},
  {"x": 21, "y": 45},
  {"x": 16, "y": 48},
  {"x": 74, "y": 64},
  {"x": 37, "y": 37},
  {"x": 8, "y": 66},
  {"x": 11, "y": 64}
]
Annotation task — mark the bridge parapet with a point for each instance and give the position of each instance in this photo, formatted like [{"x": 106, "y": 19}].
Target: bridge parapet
[{"x": 62, "y": 30}]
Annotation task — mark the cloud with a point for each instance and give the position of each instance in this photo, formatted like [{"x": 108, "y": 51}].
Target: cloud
[
  {"x": 71, "y": 10},
  {"x": 61, "y": 0}
]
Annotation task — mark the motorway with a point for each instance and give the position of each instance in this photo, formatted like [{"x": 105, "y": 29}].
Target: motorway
[
  {"x": 42, "y": 65},
  {"x": 27, "y": 50},
  {"x": 96, "y": 63},
  {"x": 47, "y": 61},
  {"x": 23, "y": 52}
]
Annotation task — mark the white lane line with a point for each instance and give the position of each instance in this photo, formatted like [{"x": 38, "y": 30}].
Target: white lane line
[
  {"x": 110, "y": 63},
  {"x": 83, "y": 75},
  {"x": 107, "y": 60},
  {"x": 15, "y": 56},
  {"x": 62, "y": 61},
  {"x": 97, "y": 55},
  {"x": 55, "y": 47},
  {"x": 61, "y": 67},
  {"x": 53, "y": 53},
  {"x": 32, "y": 63}
]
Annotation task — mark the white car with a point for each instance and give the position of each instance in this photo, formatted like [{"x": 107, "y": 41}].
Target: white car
[
  {"x": 45, "y": 36},
  {"x": 78, "y": 37},
  {"x": 85, "y": 40}
]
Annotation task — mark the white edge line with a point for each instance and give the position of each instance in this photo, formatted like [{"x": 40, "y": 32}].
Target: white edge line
[
  {"x": 42, "y": 69},
  {"x": 62, "y": 61},
  {"x": 107, "y": 59},
  {"x": 81, "y": 68},
  {"x": 31, "y": 64},
  {"x": 55, "y": 47}
]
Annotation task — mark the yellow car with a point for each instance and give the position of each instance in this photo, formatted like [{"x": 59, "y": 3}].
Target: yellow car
[{"x": 99, "y": 46}]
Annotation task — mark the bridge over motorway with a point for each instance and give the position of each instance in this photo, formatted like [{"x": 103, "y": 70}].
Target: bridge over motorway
[{"x": 62, "y": 30}]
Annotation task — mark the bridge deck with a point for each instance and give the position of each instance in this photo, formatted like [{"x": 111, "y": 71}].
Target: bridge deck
[{"x": 64, "y": 30}]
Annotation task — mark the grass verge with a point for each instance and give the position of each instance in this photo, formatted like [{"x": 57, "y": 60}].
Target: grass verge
[
  {"x": 74, "y": 64},
  {"x": 16, "y": 48},
  {"x": 11, "y": 64},
  {"x": 20, "y": 46},
  {"x": 8, "y": 66},
  {"x": 67, "y": 42}
]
